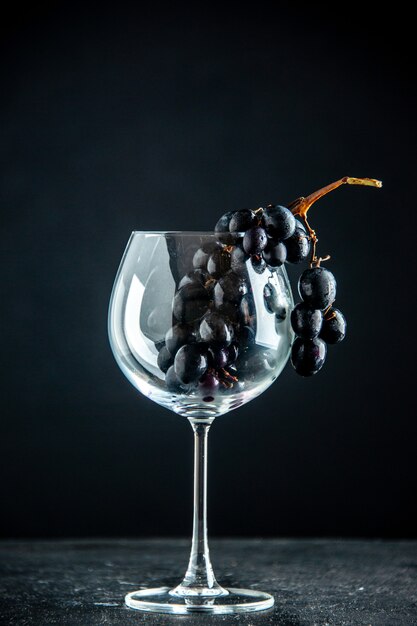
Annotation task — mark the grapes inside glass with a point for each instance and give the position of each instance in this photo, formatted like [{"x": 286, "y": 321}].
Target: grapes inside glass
[{"x": 201, "y": 330}]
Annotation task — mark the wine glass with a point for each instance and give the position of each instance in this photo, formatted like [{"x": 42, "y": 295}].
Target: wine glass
[{"x": 199, "y": 328}]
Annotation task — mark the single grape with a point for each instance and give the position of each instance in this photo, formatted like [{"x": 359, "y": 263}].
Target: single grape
[
  {"x": 173, "y": 383},
  {"x": 245, "y": 338},
  {"x": 317, "y": 287},
  {"x": 198, "y": 276},
  {"x": 218, "y": 357},
  {"x": 190, "y": 302},
  {"x": 222, "y": 229},
  {"x": 254, "y": 240},
  {"x": 190, "y": 364},
  {"x": 242, "y": 220},
  {"x": 177, "y": 336},
  {"x": 334, "y": 327},
  {"x": 306, "y": 322},
  {"x": 165, "y": 359},
  {"x": 258, "y": 264},
  {"x": 272, "y": 299},
  {"x": 223, "y": 223},
  {"x": 298, "y": 245},
  {"x": 278, "y": 222},
  {"x": 208, "y": 386},
  {"x": 231, "y": 288},
  {"x": 308, "y": 356},
  {"x": 275, "y": 254},
  {"x": 214, "y": 330},
  {"x": 219, "y": 263},
  {"x": 238, "y": 258},
  {"x": 202, "y": 255}
]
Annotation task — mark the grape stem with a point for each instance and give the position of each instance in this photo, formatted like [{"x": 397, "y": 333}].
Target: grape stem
[
  {"x": 300, "y": 207},
  {"x": 226, "y": 378},
  {"x": 328, "y": 314}
]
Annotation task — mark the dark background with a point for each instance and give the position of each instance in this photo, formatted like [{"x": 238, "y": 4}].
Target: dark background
[{"x": 114, "y": 119}]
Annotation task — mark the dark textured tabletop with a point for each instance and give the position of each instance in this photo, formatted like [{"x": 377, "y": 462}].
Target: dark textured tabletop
[{"x": 314, "y": 582}]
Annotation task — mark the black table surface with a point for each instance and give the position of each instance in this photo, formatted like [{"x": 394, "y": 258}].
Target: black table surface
[{"x": 315, "y": 582}]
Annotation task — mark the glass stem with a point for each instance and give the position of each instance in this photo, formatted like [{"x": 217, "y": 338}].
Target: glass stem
[{"x": 199, "y": 578}]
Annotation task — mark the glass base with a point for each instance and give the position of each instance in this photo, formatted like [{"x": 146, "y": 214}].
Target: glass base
[{"x": 161, "y": 600}]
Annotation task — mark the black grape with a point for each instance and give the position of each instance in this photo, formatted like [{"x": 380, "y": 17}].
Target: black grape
[
  {"x": 254, "y": 240},
  {"x": 190, "y": 364},
  {"x": 208, "y": 386},
  {"x": 231, "y": 288},
  {"x": 214, "y": 330},
  {"x": 317, "y": 287},
  {"x": 173, "y": 383},
  {"x": 275, "y": 254},
  {"x": 242, "y": 220},
  {"x": 334, "y": 327},
  {"x": 165, "y": 359},
  {"x": 271, "y": 299},
  {"x": 218, "y": 357},
  {"x": 279, "y": 222},
  {"x": 245, "y": 338},
  {"x": 238, "y": 258},
  {"x": 306, "y": 322},
  {"x": 190, "y": 302},
  {"x": 308, "y": 356},
  {"x": 219, "y": 263},
  {"x": 222, "y": 229},
  {"x": 298, "y": 245}
]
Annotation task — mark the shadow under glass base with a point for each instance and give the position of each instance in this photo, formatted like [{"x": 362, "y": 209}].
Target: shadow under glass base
[{"x": 161, "y": 600}]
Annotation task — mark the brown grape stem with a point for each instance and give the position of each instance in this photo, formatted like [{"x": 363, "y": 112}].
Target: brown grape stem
[
  {"x": 300, "y": 207},
  {"x": 328, "y": 314}
]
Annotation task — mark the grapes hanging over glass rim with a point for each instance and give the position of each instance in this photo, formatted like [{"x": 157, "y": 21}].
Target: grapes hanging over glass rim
[
  {"x": 211, "y": 347},
  {"x": 272, "y": 236}
]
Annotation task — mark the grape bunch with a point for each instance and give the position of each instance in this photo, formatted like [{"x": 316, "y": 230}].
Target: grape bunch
[
  {"x": 315, "y": 321},
  {"x": 269, "y": 236},
  {"x": 273, "y": 236},
  {"x": 210, "y": 346}
]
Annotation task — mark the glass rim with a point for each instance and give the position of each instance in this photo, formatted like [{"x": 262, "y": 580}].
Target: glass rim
[{"x": 175, "y": 232}]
